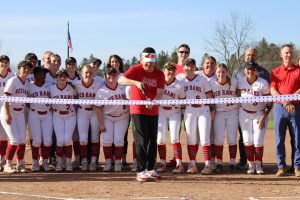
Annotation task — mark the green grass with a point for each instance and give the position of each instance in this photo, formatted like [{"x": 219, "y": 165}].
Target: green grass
[{"x": 270, "y": 124}]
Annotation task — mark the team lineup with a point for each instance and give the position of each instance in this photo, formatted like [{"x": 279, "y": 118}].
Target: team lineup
[{"x": 67, "y": 136}]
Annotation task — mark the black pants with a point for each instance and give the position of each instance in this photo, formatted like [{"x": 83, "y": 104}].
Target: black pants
[
  {"x": 243, "y": 157},
  {"x": 145, "y": 137}
]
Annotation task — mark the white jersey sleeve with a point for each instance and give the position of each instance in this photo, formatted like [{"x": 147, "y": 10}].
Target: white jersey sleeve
[
  {"x": 16, "y": 88},
  {"x": 174, "y": 90},
  {"x": 3, "y": 81}
]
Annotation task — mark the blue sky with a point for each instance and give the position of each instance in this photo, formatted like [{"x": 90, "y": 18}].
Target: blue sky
[{"x": 126, "y": 27}]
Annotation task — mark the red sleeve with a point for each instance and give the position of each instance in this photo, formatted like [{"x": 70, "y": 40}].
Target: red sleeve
[
  {"x": 130, "y": 73},
  {"x": 161, "y": 80},
  {"x": 273, "y": 79}
]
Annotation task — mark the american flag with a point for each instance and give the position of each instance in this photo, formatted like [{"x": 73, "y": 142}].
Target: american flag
[{"x": 70, "y": 41}]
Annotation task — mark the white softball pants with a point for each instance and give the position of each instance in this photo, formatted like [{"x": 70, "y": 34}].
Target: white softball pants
[
  {"x": 64, "y": 126},
  {"x": 84, "y": 120}
]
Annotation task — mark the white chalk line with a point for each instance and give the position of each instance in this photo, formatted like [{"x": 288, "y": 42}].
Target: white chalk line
[
  {"x": 257, "y": 198},
  {"x": 71, "y": 198}
]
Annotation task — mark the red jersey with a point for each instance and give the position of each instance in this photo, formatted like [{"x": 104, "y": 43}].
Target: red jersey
[
  {"x": 179, "y": 69},
  {"x": 151, "y": 81},
  {"x": 286, "y": 81}
]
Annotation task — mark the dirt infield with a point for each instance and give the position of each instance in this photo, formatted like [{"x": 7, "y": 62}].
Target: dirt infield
[{"x": 100, "y": 185}]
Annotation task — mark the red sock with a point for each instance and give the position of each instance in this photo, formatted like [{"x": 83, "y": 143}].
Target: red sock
[
  {"x": 68, "y": 151},
  {"x": 119, "y": 152},
  {"x": 162, "y": 151},
  {"x": 41, "y": 150},
  {"x": 46, "y": 152},
  {"x": 59, "y": 151},
  {"x": 177, "y": 150},
  {"x": 3, "y": 147},
  {"x": 107, "y": 152},
  {"x": 95, "y": 149},
  {"x": 206, "y": 152},
  {"x": 232, "y": 151},
  {"x": 20, "y": 151},
  {"x": 218, "y": 152},
  {"x": 259, "y": 151},
  {"x": 192, "y": 151},
  {"x": 249, "y": 150},
  {"x": 34, "y": 152},
  {"x": 10, "y": 151},
  {"x": 83, "y": 151}
]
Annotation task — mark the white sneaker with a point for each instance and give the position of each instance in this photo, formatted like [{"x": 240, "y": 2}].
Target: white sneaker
[
  {"x": 143, "y": 176},
  {"x": 64, "y": 165},
  {"x": 84, "y": 165},
  {"x": 134, "y": 166},
  {"x": 153, "y": 174},
  {"x": 161, "y": 168},
  {"x": 118, "y": 167},
  {"x": 251, "y": 170},
  {"x": 259, "y": 170},
  {"x": 2, "y": 164},
  {"x": 179, "y": 169},
  {"x": 45, "y": 166},
  {"x": 58, "y": 167},
  {"x": 21, "y": 166},
  {"x": 69, "y": 166},
  {"x": 107, "y": 167},
  {"x": 92, "y": 167},
  {"x": 8, "y": 168},
  {"x": 35, "y": 167}
]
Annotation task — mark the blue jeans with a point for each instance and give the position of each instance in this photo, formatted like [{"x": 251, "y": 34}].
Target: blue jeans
[{"x": 282, "y": 121}]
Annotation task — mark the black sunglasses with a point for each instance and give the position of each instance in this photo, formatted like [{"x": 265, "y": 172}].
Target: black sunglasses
[{"x": 182, "y": 52}]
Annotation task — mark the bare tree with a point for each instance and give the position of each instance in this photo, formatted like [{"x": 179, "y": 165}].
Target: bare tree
[{"x": 231, "y": 39}]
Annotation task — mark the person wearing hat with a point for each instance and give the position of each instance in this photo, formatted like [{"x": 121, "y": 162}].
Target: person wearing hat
[
  {"x": 4, "y": 76},
  {"x": 170, "y": 116},
  {"x": 147, "y": 83},
  {"x": 113, "y": 120},
  {"x": 86, "y": 117},
  {"x": 13, "y": 120},
  {"x": 73, "y": 76},
  {"x": 197, "y": 117},
  {"x": 64, "y": 120},
  {"x": 251, "y": 54},
  {"x": 253, "y": 117},
  {"x": 40, "y": 120}
]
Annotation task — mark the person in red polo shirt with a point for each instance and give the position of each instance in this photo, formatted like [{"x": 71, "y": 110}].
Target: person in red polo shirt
[
  {"x": 147, "y": 83},
  {"x": 285, "y": 79}
]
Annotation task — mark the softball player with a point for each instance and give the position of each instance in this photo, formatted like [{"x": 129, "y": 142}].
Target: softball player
[
  {"x": 33, "y": 59},
  {"x": 12, "y": 118},
  {"x": 40, "y": 120},
  {"x": 95, "y": 64},
  {"x": 253, "y": 116},
  {"x": 113, "y": 120},
  {"x": 86, "y": 116},
  {"x": 4, "y": 76},
  {"x": 73, "y": 76},
  {"x": 226, "y": 116},
  {"x": 170, "y": 116},
  {"x": 208, "y": 72},
  {"x": 197, "y": 116},
  {"x": 55, "y": 62},
  {"x": 64, "y": 119}
]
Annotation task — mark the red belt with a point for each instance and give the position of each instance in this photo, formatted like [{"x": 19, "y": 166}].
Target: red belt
[
  {"x": 17, "y": 109},
  {"x": 168, "y": 108},
  {"x": 197, "y": 105},
  {"x": 88, "y": 109},
  {"x": 40, "y": 112},
  {"x": 249, "y": 111},
  {"x": 63, "y": 112}
]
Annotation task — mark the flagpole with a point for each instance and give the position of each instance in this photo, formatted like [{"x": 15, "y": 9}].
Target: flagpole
[{"x": 68, "y": 41}]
